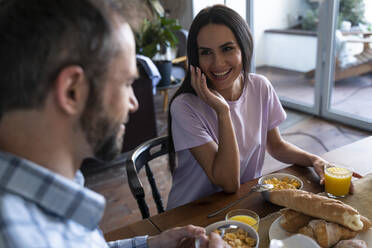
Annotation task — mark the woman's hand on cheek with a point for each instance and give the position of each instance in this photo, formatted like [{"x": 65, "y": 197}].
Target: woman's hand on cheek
[{"x": 209, "y": 96}]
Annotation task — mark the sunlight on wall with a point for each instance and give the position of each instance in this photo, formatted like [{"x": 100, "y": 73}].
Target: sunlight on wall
[
  {"x": 368, "y": 9},
  {"x": 200, "y": 4},
  {"x": 279, "y": 16},
  {"x": 237, "y": 5}
]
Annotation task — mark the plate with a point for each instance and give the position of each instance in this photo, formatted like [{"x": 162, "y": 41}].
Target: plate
[{"x": 277, "y": 232}]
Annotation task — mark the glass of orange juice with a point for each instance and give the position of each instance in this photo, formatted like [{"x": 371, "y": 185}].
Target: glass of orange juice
[
  {"x": 337, "y": 180},
  {"x": 244, "y": 215}
]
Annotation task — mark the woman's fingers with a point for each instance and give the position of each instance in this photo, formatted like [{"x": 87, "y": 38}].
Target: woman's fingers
[
  {"x": 357, "y": 175},
  {"x": 318, "y": 165},
  {"x": 195, "y": 79},
  {"x": 203, "y": 86},
  {"x": 192, "y": 75},
  {"x": 198, "y": 82},
  {"x": 351, "y": 189}
]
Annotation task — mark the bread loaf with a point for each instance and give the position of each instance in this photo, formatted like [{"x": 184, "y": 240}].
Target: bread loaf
[
  {"x": 318, "y": 206},
  {"x": 366, "y": 223},
  {"x": 325, "y": 233},
  {"x": 292, "y": 220},
  {"x": 351, "y": 243}
]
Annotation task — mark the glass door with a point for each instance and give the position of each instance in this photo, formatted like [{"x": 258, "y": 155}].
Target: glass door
[
  {"x": 286, "y": 44},
  {"x": 348, "y": 89},
  {"x": 327, "y": 72}
]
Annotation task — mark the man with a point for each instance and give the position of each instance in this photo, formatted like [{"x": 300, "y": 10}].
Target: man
[{"x": 67, "y": 69}]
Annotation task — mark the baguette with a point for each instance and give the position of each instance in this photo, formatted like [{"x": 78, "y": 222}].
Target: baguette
[
  {"x": 292, "y": 220},
  {"x": 366, "y": 223},
  {"x": 318, "y": 206}
]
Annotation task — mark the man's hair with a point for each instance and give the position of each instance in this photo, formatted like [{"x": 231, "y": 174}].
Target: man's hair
[{"x": 38, "y": 38}]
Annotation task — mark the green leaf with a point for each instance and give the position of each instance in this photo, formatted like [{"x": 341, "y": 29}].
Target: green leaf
[{"x": 156, "y": 34}]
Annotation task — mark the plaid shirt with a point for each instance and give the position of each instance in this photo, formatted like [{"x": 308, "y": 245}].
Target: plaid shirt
[{"x": 39, "y": 208}]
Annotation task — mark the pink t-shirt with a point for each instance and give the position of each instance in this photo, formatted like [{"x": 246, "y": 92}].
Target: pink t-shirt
[{"x": 194, "y": 123}]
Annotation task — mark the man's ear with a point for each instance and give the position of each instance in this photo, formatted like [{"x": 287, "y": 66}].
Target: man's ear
[{"x": 71, "y": 89}]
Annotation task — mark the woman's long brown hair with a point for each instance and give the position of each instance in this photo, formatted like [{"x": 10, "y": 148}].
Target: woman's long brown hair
[{"x": 217, "y": 14}]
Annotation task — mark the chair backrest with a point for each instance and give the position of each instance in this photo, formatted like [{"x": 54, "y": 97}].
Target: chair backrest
[
  {"x": 140, "y": 158},
  {"x": 182, "y": 42}
]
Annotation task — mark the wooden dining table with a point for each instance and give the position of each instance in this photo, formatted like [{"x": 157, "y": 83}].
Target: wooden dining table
[{"x": 357, "y": 155}]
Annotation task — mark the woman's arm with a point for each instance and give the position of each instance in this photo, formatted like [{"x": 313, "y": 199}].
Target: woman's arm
[
  {"x": 291, "y": 154},
  {"x": 221, "y": 162}
]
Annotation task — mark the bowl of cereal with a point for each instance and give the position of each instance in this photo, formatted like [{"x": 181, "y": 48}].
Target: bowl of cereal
[
  {"x": 243, "y": 236},
  {"x": 280, "y": 181}
]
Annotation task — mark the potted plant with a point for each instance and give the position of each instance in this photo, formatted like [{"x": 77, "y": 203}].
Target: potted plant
[
  {"x": 155, "y": 40},
  {"x": 350, "y": 10}
]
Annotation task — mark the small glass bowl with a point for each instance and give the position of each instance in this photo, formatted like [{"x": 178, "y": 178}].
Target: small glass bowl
[{"x": 245, "y": 216}]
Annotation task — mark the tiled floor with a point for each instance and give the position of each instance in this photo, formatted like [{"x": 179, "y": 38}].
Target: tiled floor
[
  {"x": 351, "y": 95},
  {"x": 308, "y": 132}
]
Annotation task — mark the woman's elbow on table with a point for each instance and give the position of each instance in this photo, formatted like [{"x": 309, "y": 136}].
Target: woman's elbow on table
[
  {"x": 231, "y": 186},
  {"x": 229, "y": 180}
]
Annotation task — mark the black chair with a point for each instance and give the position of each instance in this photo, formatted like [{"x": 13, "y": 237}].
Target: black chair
[
  {"x": 92, "y": 165},
  {"x": 139, "y": 158},
  {"x": 142, "y": 123}
]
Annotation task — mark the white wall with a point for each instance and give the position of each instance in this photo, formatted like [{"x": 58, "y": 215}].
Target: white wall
[
  {"x": 273, "y": 14},
  {"x": 201, "y": 4},
  {"x": 237, "y": 5},
  {"x": 368, "y": 10},
  {"x": 291, "y": 52}
]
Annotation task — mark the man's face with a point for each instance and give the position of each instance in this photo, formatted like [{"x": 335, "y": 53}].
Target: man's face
[{"x": 104, "y": 122}]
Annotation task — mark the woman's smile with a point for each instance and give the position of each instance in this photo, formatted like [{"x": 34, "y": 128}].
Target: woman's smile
[{"x": 222, "y": 75}]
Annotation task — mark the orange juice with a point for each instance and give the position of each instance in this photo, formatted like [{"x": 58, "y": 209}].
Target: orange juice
[
  {"x": 246, "y": 219},
  {"x": 337, "y": 181}
]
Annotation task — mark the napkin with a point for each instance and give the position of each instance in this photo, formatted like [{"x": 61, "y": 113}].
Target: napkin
[{"x": 362, "y": 197}]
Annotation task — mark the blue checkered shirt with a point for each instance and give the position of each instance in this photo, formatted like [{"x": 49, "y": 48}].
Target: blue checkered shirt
[{"x": 39, "y": 208}]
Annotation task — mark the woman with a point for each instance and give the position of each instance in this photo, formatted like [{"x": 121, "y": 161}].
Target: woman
[{"x": 223, "y": 118}]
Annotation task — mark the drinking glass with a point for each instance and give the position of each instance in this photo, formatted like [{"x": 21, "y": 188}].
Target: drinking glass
[
  {"x": 244, "y": 215},
  {"x": 337, "y": 180}
]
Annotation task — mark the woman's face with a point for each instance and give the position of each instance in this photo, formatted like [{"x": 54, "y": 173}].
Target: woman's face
[{"x": 220, "y": 57}]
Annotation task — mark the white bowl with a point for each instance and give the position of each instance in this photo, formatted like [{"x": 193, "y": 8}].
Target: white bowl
[
  {"x": 252, "y": 233},
  {"x": 294, "y": 241},
  {"x": 265, "y": 194}
]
